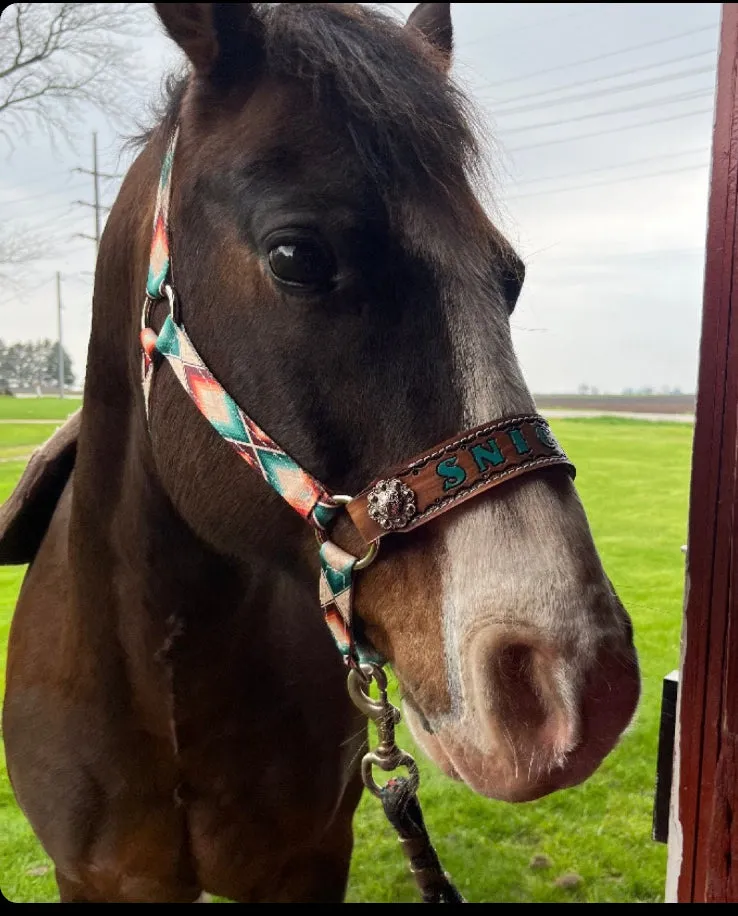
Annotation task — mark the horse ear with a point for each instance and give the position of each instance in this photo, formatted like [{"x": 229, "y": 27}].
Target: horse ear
[
  {"x": 433, "y": 21},
  {"x": 216, "y": 37}
]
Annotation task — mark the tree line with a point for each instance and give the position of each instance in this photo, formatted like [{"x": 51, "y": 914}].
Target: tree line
[{"x": 32, "y": 364}]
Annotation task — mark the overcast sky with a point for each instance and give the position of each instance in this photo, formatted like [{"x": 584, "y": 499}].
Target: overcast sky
[{"x": 602, "y": 189}]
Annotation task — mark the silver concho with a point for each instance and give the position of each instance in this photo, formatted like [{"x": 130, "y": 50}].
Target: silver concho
[{"x": 391, "y": 504}]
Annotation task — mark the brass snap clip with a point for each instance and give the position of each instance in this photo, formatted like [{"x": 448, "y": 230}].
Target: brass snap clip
[{"x": 387, "y": 755}]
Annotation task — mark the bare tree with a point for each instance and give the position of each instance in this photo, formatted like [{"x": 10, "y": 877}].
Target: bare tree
[
  {"x": 56, "y": 59},
  {"x": 18, "y": 246}
]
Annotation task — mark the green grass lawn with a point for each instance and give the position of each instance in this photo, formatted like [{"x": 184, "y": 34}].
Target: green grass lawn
[
  {"x": 18, "y": 440},
  {"x": 633, "y": 478},
  {"x": 36, "y": 409}
]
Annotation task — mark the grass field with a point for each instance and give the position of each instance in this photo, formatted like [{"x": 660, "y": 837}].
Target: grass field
[
  {"x": 18, "y": 440},
  {"x": 37, "y": 408},
  {"x": 633, "y": 479}
]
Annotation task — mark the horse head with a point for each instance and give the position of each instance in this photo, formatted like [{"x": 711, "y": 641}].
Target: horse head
[{"x": 337, "y": 272}]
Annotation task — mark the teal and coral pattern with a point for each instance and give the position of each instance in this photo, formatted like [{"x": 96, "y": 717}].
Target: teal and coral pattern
[
  {"x": 159, "y": 260},
  {"x": 298, "y": 488},
  {"x": 336, "y": 592},
  {"x": 337, "y": 569}
]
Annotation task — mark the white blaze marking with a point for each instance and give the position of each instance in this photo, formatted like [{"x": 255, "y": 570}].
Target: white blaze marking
[{"x": 489, "y": 380}]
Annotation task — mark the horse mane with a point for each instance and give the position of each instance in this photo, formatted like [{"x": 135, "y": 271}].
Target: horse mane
[{"x": 405, "y": 118}]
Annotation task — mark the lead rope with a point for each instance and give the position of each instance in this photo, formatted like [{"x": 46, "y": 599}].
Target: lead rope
[{"x": 399, "y": 796}]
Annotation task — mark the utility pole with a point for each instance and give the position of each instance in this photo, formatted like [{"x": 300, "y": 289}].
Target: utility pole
[
  {"x": 96, "y": 205},
  {"x": 96, "y": 185},
  {"x": 59, "y": 328}
]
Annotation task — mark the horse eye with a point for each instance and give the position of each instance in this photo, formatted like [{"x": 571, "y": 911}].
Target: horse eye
[{"x": 301, "y": 263}]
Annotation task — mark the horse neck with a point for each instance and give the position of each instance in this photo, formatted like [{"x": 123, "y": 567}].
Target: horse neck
[{"x": 121, "y": 512}]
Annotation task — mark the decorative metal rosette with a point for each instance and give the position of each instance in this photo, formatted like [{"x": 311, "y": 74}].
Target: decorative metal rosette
[{"x": 391, "y": 504}]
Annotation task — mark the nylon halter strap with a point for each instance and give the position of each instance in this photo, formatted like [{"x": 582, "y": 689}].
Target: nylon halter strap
[{"x": 396, "y": 502}]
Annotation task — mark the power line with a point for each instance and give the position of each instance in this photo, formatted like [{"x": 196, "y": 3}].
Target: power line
[
  {"x": 23, "y": 200},
  {"x": 55, "y": 256},
  {"x": 601, "y": 184},
  {"x": 50, "y": 211},
  {"x": 610, "y": 130},
  {"x": 609, "y": 76},
  {"x": 613, "y": 90},
  {"x": 50, "y": 242},
  {"x": 24, "y": 292},
  {"x": 96, "y": 205},
  {"x": 45, "y": 177},
  {"x": 40, "y": 219},
  {"x": 593, "y": 60},
  {"x": 533, "y": 25},
  {"x": 77, "y": 250},
  {"x": 654, "y": 252},
  {"x": 654, "y": 103},
  {"x": 41, "y": 213},
  {"x": 83, "y": 277},
  {"x": 611, "y": 168}
]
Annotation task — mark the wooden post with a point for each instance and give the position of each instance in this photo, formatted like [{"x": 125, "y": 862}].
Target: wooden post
[{"x": 706, "y": 784}]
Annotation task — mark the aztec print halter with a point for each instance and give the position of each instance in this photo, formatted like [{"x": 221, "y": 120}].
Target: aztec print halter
[{"x": 397, "y": 502}]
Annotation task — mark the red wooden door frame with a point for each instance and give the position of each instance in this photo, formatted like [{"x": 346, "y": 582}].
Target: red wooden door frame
[{"x": 703, "y": 843}]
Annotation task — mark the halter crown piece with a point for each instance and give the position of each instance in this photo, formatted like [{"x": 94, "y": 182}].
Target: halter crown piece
[{"x": 398, "y": 501}]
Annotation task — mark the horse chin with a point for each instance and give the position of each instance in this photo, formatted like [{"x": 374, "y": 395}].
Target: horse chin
[
  {"x": 497, "y": 775},
  {"x": 429, "y": 744}
]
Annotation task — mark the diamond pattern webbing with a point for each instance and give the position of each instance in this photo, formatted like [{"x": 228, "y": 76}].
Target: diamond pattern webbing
[
  {"x": 159, "y": 258},
  {"x": 337, "y": 569},
  {"x": 298, "y": 488}
]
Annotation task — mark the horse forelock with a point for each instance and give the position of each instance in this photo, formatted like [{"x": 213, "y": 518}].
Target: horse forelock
[{"x": 379, "y": 83}]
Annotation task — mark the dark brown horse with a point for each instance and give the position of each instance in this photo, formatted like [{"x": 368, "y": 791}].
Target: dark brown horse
[{"x": 176, "y": 715}]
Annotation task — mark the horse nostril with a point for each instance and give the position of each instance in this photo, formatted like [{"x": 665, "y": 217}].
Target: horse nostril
[
  {"x": 523, "y": 696},
  {"x": 517, "y": 684}
]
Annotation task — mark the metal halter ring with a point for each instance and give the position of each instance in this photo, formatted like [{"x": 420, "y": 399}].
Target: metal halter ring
[
  {"x": 373, "y": 548},
  {"x": 389, "y": 762},
  {"x": 166, "y": 291}
]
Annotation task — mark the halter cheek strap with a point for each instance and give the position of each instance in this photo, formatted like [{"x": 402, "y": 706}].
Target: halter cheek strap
[
  {"x": 303, "y": 492},
  {"x": 300, "y": 490},
  {"x": 399, "y": 501}
]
